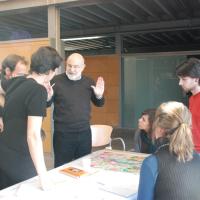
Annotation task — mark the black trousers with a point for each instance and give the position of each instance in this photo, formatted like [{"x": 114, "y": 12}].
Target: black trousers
[{"x": 69, "y": 146}]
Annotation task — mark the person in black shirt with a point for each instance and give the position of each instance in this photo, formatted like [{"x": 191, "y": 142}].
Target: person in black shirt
[
  {"x": 13, "y": 66},
  {"x": 21, "y": 149},
  {"x": 73, "y": 94}
]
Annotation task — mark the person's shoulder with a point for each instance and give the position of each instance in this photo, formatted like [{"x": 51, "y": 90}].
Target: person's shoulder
[
  {"x": 87, "y": 78},
  {"x": 34, "y": 89},
  {"x": 14, "y": 83},
  {"x": 59, "y": 77},
  {"x": 150, "y": 160}
]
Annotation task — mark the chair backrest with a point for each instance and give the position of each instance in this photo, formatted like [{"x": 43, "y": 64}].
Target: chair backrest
[{"x": 101, "y": 135}]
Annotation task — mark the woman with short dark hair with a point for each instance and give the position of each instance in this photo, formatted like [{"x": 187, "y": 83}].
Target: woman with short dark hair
[{"x": 21, "y": 150}]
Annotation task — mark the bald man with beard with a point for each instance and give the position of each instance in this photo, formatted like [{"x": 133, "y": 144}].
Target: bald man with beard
[{"x": 73, "y": 94}]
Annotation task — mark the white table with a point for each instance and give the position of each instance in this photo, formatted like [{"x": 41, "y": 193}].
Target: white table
[{"x": 100, "y": 185}]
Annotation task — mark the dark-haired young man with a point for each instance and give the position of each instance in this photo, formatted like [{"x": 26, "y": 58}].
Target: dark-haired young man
[{"x": 189, "y": 79}]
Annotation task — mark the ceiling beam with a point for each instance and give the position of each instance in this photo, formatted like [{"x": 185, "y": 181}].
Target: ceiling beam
[
  {"x": 129, "y": 8},
  {"x": 83, "y": 3},
  {"x": 168, "y": 37},
  {"x": 145, "y": 8},
  {"x": 139, "y": 28},
  {"x": 83, "y": 16},
  {"x": 164, "y": 8},
  {"x": 96, "y": 14},
  {"x": 21, "y": 4},
  {"x": 117, "y": 12},
  {"x": 156, "y": 37},
  {"x": 147, "y": 38}
]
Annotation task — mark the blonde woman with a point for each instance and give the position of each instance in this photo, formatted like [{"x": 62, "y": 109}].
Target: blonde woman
[{"x": 172, "y": 172}]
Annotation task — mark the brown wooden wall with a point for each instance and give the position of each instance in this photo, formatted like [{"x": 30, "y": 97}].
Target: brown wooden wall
[
  {"x": 106, "y": 66},
  {"x": 21, "y": 47},
  {"x": 26, "y": 48}
]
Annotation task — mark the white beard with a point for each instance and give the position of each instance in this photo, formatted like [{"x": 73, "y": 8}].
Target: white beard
[{"x": 73, "y": 77}]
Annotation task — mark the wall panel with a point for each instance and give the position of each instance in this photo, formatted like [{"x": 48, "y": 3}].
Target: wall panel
[{"x": 106, "y": 66}]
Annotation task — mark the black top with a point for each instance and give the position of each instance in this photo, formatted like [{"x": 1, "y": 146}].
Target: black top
[
  {"x": 143, "y": 143},
  {"x": 72, "y": 102},
  {"x": 5, "y": 83},
  {"x": 24, "y": 97},
  {"x": 176, "y": 180}
]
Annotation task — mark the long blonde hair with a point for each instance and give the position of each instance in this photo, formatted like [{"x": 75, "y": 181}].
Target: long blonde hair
[{"x": 175, "y": 119}]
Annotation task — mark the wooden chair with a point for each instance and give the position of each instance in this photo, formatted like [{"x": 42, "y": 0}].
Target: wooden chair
[{"x": 101, "y": 136}]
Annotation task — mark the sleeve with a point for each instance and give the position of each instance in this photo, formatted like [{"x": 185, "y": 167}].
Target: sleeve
[
  {"x": 97, "y": 102},
  {"x": 137, "y": 141},
  {"x": 36, "y": 102},
  {"x": 5, "y": 84},
  {"x": 49, "y": 103},
  {"x": 1, "y": 111},
  {"x": 148, "y": 176}
]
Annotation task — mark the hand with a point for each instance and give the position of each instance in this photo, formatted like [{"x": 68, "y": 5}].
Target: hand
[
  {"x": 49, "y": 89},
  {"x": 99, "y": 88},
  {"x": 1, "y": 124},
  {"x": 45, "y": 182}
]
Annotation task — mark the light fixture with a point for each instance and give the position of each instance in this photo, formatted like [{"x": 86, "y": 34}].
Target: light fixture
[{"x": 83, "y": 38}]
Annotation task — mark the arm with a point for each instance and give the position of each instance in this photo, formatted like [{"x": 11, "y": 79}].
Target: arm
[
  {"x": 137, "y": 141},
  {"x": 1, "y": 124},
  {"x": 148, "y": 176},
  {"x": 50, "y": 92},
  {"x": 2, "y": 101},
  {"x": 36, "y": 149}
]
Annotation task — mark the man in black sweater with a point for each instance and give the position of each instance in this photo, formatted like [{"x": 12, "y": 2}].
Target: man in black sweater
[{"x": 73, "y": 93}]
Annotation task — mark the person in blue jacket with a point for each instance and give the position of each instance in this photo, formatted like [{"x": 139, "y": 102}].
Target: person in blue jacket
[{"x": 172, "y": 172}]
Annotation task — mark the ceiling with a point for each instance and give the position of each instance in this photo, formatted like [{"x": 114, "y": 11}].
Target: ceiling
[{"x": 142, "y": 25}]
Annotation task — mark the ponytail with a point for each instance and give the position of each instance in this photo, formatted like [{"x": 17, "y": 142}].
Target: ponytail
[{"x": 181, "y": 143}]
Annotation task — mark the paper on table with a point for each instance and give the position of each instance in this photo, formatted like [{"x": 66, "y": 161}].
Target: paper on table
[
  {"x": 123, "y": 184},
  {"x": 32, "y": 191},
  {"x": 72, "y": 189}
]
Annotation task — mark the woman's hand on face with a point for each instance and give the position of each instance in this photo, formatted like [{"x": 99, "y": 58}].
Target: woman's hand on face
[{"x": 49, "y": 89}]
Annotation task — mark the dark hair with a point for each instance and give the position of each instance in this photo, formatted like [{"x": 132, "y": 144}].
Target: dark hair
[
  {"x": 151, "y": 114},
  {"x": 190, "y": 67},
  {"x": 11, "y": 61},
  {"x": 45, "y": 59}
]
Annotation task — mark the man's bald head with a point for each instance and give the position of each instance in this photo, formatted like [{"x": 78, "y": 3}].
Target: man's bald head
[
  {"x": 75, "y": 65},
  {"x": 76, "y": 59}
]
